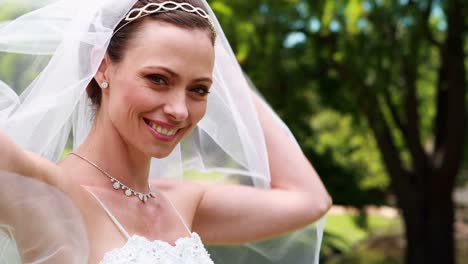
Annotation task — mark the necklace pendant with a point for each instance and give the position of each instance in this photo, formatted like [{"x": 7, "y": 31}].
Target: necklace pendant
[{"x": 116, "y": 185}]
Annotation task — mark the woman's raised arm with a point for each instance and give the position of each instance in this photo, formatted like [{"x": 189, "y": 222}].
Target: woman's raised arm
[
  {"x": 17, "y": 160},
  {"x": 13, "y": 158},
  {"x": 290, "y": 170},
  {"x": 233, "y": 214}
]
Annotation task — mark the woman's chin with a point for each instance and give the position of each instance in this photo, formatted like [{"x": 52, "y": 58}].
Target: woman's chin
[{"x": 160, "y": 154}]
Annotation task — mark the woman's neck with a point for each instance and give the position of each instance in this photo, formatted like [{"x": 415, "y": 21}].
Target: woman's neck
[{"x": 108, "y": 149}]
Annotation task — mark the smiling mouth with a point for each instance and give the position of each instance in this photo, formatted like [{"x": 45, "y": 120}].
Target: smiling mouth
[{"x": 161, "y": 130}]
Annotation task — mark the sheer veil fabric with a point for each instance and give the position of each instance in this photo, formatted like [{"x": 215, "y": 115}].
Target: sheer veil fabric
[
  {"x": 54, "y": 49},
  {"x": 39, "y": 224}
]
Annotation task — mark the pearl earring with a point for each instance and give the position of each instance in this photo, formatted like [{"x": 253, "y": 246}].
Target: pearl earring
[{"x": 104, "y": 85}]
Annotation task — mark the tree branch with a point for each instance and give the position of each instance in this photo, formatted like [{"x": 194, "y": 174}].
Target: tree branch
[
  {"x": 426, "y": 28},
  {"x": 368, "y": 103},
  {"x": 412, "y": 135},
  {"x": 393, "y": 110},
  {"x": 391, "y": 156},
  {"x": 451, "y": 104},
  {"x": 409, "y": 126}
]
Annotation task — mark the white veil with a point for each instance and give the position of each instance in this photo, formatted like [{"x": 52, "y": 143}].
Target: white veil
[
  {"x": 51, "y": 233},
  {"x": 50, "y": 54}
]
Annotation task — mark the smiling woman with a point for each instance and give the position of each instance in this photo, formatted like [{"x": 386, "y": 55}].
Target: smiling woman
[{"x": 151, "y": 91}]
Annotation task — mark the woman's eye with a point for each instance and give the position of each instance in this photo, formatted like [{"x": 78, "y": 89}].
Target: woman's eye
[
  {"x": 202, "y": 91},
  {"x": 157, "y": 79}
]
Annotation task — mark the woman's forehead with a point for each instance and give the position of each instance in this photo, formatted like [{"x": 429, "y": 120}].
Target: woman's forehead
[
  {"x": 159, "y": 43},
  {"x": 153, "y": 32}
]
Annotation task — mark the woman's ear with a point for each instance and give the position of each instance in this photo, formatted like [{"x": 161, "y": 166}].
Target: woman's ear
[{"x": 102, "y": 74}]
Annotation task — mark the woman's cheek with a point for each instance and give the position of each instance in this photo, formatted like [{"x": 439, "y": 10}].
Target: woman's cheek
[
  {"x": 136, "y": 97},
  {"x": 199, "y": 108}
]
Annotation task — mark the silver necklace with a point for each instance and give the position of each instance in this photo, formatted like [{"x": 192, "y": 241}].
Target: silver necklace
[{"x": 119, "y": 185}]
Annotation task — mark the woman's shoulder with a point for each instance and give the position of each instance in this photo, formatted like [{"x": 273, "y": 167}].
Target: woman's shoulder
[
  {"x": 176, "y": 185},
  {"x": 178, "y": 190},
  {"x": 185, "y": 195}
]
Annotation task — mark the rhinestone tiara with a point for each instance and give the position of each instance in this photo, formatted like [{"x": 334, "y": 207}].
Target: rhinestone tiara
[{"x": 166, "y": 6}]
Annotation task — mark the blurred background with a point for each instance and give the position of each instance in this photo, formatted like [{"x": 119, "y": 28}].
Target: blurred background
[{"x": 376, "y": 93}]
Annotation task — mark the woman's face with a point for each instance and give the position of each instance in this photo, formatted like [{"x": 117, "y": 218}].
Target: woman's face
[{"x": 158, "y": 92}]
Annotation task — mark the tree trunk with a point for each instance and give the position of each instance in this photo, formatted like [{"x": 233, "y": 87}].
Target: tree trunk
[
  {"x": 424, "y": 194},
  {"x": 424, "y": 185},
  {"x": 428, "y": 219}
]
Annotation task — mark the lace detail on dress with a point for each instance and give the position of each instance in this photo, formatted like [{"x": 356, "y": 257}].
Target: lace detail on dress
[{"x": 138, "y": 249}]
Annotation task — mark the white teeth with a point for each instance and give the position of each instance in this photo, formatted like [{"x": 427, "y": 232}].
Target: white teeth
[{"x": 163, "y": 131}]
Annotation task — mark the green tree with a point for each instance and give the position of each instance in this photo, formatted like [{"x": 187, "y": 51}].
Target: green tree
[
  {"x": 397, "y": 67},
  {"x": 262, "y": 35}
]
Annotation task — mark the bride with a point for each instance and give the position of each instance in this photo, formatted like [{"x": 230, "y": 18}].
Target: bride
[{"x": 151, "y": 92}]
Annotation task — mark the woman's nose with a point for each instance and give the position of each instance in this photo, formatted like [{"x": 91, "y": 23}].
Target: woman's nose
[{"x": 176, "y": 106}]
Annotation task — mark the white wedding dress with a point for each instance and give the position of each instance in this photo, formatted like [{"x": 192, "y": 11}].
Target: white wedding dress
[
  {"x": 138, "y": 249},
  {"x": 188, "y": 250},
  {"x": 39, "y": 224}
]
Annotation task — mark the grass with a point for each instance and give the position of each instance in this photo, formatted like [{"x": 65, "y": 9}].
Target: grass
[
  {"x": 346, "y": 235},
  {"x": 345, "y": 242},
  {"x": 346, "y": 226}
]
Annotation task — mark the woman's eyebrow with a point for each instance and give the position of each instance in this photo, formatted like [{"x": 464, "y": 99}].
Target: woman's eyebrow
[
  {"x": 203, "y": 79},
  {"x": 171, "y": 72},
  {"x": 176, "y": 75}
]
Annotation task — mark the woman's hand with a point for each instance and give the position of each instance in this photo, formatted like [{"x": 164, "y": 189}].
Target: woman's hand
[{"x": 235, "y": 214}]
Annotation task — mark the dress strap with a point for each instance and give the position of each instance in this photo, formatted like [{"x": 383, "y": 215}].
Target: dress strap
[
  {"x": 111, "y": 216},
  {"x": 180, "y": 216}
]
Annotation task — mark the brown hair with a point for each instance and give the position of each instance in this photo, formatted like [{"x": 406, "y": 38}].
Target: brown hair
[{"x": 121, "y": 39}]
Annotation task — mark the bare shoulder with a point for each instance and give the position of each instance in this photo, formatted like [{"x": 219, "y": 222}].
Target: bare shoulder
[
  {"x": 180, "y": 188},
  {"x": 185, "y": 195}
]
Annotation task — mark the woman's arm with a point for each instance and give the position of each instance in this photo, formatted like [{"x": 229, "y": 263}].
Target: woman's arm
[
  {"x": 13, "y": 158},
  {"x": 17, "y": 160},
  {"x": 234, "y": 214}
]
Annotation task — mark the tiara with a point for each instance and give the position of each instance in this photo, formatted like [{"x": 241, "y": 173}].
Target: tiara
[{"x": 167, "y": 6}]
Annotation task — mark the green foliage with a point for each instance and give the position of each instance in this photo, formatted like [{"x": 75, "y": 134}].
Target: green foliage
[
  {"x": 12, "y": 10},
  {"x": 360, "y": 83},
  {"x": 287, "y": 66},
  {"x": 12, "y": 64},
  {"x": 343, "y": 236},
  {"x": 368, "y": 256},
  {"x": 345, "y": 226},
  {"x": 350, "y": 148},
  {"x": 308, "y": 57}
]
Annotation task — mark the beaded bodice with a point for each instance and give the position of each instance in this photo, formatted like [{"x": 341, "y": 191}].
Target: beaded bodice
[
  {"x": 139, "y": 250},
  {"x": 187, "y": 250}
]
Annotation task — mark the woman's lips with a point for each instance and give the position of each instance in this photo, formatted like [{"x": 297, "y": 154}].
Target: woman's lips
[{"x": 162, "y": 131}]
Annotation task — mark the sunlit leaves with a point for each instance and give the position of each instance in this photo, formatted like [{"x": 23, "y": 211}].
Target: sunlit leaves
[
  {"x": 329, "y": 12},
  {"x": 350, "y": 147},
  {"x": 221, "y": 9},
  {"x": 353, "y": 13},
  {"x": 308, "y": 57}
]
